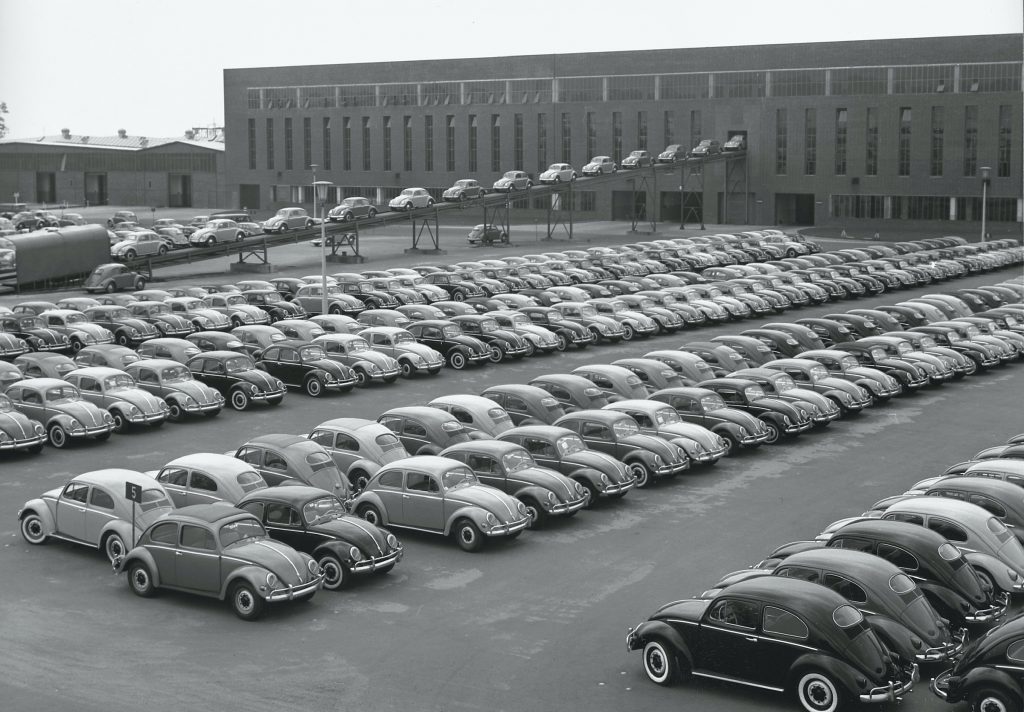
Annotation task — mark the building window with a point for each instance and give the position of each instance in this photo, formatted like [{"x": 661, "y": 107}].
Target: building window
[
  {"x": 471, "y": 144},
  {"x": 542, "y": 142},
  {"x": 871, "y": 142},
  {"x": 798, "y": 82},
  {"x": 860, "y": 80},
  {"x": 810, "y": 142},
  {"x": 366, "y": 143},
  {"x": 903, "y": 158},
  {"x": 270, "y": 144},
  {"x": 346, "y": 143},
  {"x": 996, "y": 77},
  {"x": 739, "y": 85},
  {"x": 288, "y": 144},
  {"x": 495, "y": 143},
  {"x": 307, "y": 142},
  {"x": 641, "y": 130},
  {"x": 922, "y": 79},
  {"x": 517, "y": 142},
  {"x": 669, "y": 128},
  {"x": 385, "y": 126},
  {"x": 588, "y": 200},
  {"x": 428, "y": 143},
  {"x": 938, "y": 126},
  {"x": 1005, "y": 141},
  {"x": 858, "y": 206},
  {"x": 996, "y": 209},
  {"x": 449, "y": 143},
  {"x": 591, "y": 135},
  {"x": 617, "y": 137},
  {"x": 252, "y": 144},
  {"x": 406, "y": 143},
  {"x": 970, "y": 141},
  {"x": 841, "y": 142},
  {"x": 566, "y": 137},
  {"x": 327, "y": 142},
  {"x": 696, "y": 128},
  {"x": 683, "y": 86},
  {"x": 781, "y": 141},
  {"x": 582, "y": 89}
]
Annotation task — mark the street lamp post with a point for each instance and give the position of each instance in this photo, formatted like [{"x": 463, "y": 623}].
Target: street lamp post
[
  {"x": 320, "y": 188},
  {"x": 986, "y": 174}
]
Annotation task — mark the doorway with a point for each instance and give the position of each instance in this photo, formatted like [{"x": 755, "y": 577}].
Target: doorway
[
  {"x": 179, "y": 190},
  {"x": 794, "y": 208},
  {"x": 96, "y": 189},
  {"x": 46, "y": 187}
]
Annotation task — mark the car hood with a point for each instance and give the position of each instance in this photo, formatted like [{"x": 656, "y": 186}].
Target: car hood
[
  {"x": 173, "y": 319},
  {"x": 17, "y": 425},
  {"x": 212, "y": 314},
  {"x": 84, "y": 412},
  {"x": 200, "y": 391},
  {"x": 687, "y": 610},
  {"x": 421, "y": 350},
  {"x": 143, "y": 327},
  {"x": 504, "y": 507},
  {"x": 692, "y": 431},
  {"x": 558, "y": 483},
  {"x": 48, "y": 335},
  {"x": 94, "y": 330},
  {"x": 258, "y": 378},
  {"x": 599, "y": 461},
  {"x": 470, "y": 342},
  {"x": 375, "y": 357},
  {"x": 287, "y": 564},
  {"x": 370, "y": 540},
  {"x": 146, "y": 402}
]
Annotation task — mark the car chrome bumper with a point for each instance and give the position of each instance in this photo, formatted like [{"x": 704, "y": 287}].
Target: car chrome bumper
[
  {"x": 368, "y": 566},
  {"x": 710, "y": 455},
  {"x": 992, "y": 613},
  {"x": 292, "y": 592},
  {"x": 22, "y": 442},
  {"x": 894, "y": 689},
  {"x": 619, "y": 488},
  {"x": 669, "y": 470},
  {"x": 510, "y": 528},
  {"x": 339, "y": 384},
  {"x": 950, "y": 651},
  {"x": 203, "y": 407},
  {"x": 568, "y": 507},
  {"x": 148, "y": 418},
  {"x": 751, "y": 440},
  {"x": 263, "y": 396},
  {"x": 92, "y": 432},
  {"x": 940, "y": 684}
]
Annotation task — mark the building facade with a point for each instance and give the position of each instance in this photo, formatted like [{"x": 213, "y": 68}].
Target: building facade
[{"x": 836, "y": 132}]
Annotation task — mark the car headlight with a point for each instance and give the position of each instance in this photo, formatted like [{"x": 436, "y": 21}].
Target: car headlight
[
  {"x": 490, "y": 520},
  {"x": 604, "y": 480},
  {"x": 271, "y": 580},
  {"x": 1012, "y": 574},
  {"x": 279, "y": 384},
  {"x": 416, "y": 359},
  {"x": 313, "y": 567},
  {"x": 580, "y": 489},
  {"x": 521, "y": 507},
  {"x": 133, "y": 410},
  {"x": 355, "y": 554},
  {"x": 552, "y": 499},
  {"x": 786, "y": 420},
  {"x": 374, "y": 368},
  {"x": 657, "y": 459},
  {"x": 188, "y": 400},
  {"x": 603, "y": 329},
  {"x": 392, "y": 541},
  {"x": 253, "y": 390},
  {"x": 107, "y": 418},
  {"x": 133, "y": 331}
]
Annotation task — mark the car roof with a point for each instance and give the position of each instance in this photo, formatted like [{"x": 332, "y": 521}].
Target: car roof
[
  {"x": 211, "y": 462},
  {"x": 491, "y": 446},
  {"x": 519, "y": 389},
  {"x": 541, "y": 431},
  {"x": 430, "y": 463},
  {"x": 605, "y": 416},
  {"x": 810, "y": 599},
  {"x": 858, "y": 564},
  {"x": 467, "y": 400},
  {"x": 115, "y": 476},
  {"x": 281, "y": 440},
  {"x": 1015, "y": 467},
  {"x": 1004, "y": 491},
  {"x": 97, "y": 371},
  {"x": 296, "y": 495},
  {"x": 217, "y": 355},
  {"x": 637, "y": 404},
  {"x": 208, "y": 513},
  {"x": 349, "y": 424},
  {"x": 422, "y": 411}
]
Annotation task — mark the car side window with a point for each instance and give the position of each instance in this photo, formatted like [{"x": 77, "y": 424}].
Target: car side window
[
  {"x": 596, "y": 431},
  {"x": 203, "y": 482},
  {"x": 197, "y": 537},
  {"x": 642, "y": 419},
  {"x": 282, "y": 515},
  {"x": 77, "y": 492},
  {"x": 256, "y": 508},
  {"x": 898, "y": 556},
  {"x": 173, "y": 476},
  {"x": 324, "y": 438},
  {"x": 947, "y": 529},
  {"x": 731, "y": 611},
  {"x": 166, "y": 533},
  {"x": 273, "y": 461},
  {"x": 214, "y": 367},
  {"x": 483, "y": 464},
  {"x": 539, "y": 447},
  {"x": 514, "y": 403},
  {"x": 730, "y": 396},
  {"x": 415, "y": 429},
  {"x": 89, "y": 385},
  {"x": 419, "y": 482},
  {"x": 463, "y": 415},
  {"x": 250, "y": 455},
  {"x": 1015, "y": 651},
  {"x": 987, "y": 503},
  {"x": 391, "y": 479},
  {"x": 854, "y": 543},
  {"x": 846, "y": 588},
  {"x": 799, "y": 572},
  {"x": 101, "y": 499},
  {"x": 558, "y": 392},
  {"x": 147, "y": 376},
  {"x": 905, "y": 517},
  {"x": 392, "y": 423},
  {"x": 288, "y": 355},
  {"x": 779, "y": 622}
]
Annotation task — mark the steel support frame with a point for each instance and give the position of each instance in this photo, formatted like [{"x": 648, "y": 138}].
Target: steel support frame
[
  {"x": 347, "y": 240},
  {"x": 427, "y": 223},
  {"x": 736, "y": 180},
  {"x": 253, "y": 253},
  {"x": 562, "y": 216},
  {"x": 650, "y": 206},
  {"x": 499, "y": 214},
  {"x": 692, "y": 180}
]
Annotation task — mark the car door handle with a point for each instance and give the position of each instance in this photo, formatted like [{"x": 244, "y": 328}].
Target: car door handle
[
  {"x": 750, "y": 638},
  {"x": 178, "y": 553},
  {"x": 405, "y": 496}
]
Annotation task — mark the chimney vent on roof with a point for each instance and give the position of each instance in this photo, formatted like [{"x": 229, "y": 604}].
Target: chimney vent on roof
[
  {"x": 85, "y": 139},
  {"x": 121, "y": 133},
  {"x": 66, "y": 133},
  {"x": 143, "y": 141},
  {"x": 190, "y": 134}
]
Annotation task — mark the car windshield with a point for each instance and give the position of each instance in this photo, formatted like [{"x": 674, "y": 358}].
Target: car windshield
[
  {"x": 235, "y": 299},
  {"x": 30, "y": 322},
  {"x": 113, "y": 383},
  {"x": 848, "y": 362},
  {"x": 569, "y": 444},
  {"x": 238, "y": 364},
  {"x": 904, "y": 348},
  {"x": 403, "y": 337},
  {"x": 175, "y": 374},
  {"x": 817, "y": 373},
  {"x": 753, "y": 393},
  {"x": 357, "y": 345},
  {"x": 517, "y": 460},
  {"x": 237, "y": 531},
  {"x": 926, "y": 342},
  {"x": 452, "y": 331},
  {"x": 458, "y": 476},
  {"x": 62, "y": 394},
  {"x": 878, "y": 353},
  {"x": 488, "y": 325},
  {"x": 783, "y": 383},
  {"x": 158, "y": 309},
  {"x": 625, "y": 428},
  {"x": 312, "y": 353},
  {"x": 711, "y": 402},
  {"x": 322, "y": 509},
  {"x": 588, "y": 310},
  {"x": 75, "y": 319},
  {"x": 666, "y": 416}
]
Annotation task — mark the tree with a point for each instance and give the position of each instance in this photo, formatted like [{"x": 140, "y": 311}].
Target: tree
[{"x": 3, "y": 124}]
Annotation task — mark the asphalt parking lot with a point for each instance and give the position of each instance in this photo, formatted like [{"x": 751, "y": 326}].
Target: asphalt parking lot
[{"x": 534, "y": 624}]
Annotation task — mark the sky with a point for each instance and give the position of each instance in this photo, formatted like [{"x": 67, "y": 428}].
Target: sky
[{"x": 155, "y": 68}]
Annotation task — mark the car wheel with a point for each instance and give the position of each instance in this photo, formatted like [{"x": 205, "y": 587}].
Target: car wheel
[
  {"x": 986, "y": 579},
  {"x": 659, "y": 663},
  {"x": 818, "y": 693},
  {"x": 407, "y": 369},
  {"x": 536, "y": 513},
  {"x": 174, "y": 412},
  {"x": 239, "y": 399},
  {"x": 459, "y": 297},
  {"x": 504, "y": 238},
  {"x": 468, "y": 535},
  {"x": 114, "y": 548},
  {"x": 120, "y": 423},
  {"x": 362, "y": 378},
  {"x": 58, "y": 436},
  {"x": 641, "y": 472},
  {"x": 732, "y": 444},
  {"x": 122, "y": 339},
  {"x": 358, "y": 480},
  {"x": 773, "y": 432},
  {"x": 245, "y": 603},
  {"x": 496, "y": 355},
  {"x": 627, "y": 332},
  {"x": 790, "y": 252},
  {"x": 283, "y": 229},
  {"x": 371, "y": 514},
  {"x": 335, "y": 573},
  {"x": 162, "y": 250},
  {"x": 558, "y": 179},
  {"x": 563, "y": 343},
  {"x": 372, "y": 213},
  {"x": 140, "y": 581},
  {"x": 309, "y": 224},
  {"x": 110, "y": 288},
  {"x": 988, "y": 699},
  {"x": 314, "y": 387},
  {"x": 130, "y": 255},
  {"x": 430, "y": 203},
  {"x": 457, "y": 360},
  {"x": 32, "y": 529},
  {"x": 530, "y": 348},
  {"x": 239, "y": 237}
]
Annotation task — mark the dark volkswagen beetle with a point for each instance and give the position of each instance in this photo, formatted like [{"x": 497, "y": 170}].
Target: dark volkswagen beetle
[
  {"x": 525, "y": 404},
  {"x": 780, "y": 418},
  {"x": 572, "y": 392},
  {"x": 706, "y": 408},
  {"x": 990, "y": 675},
  {"x": 426, "y": 431}
]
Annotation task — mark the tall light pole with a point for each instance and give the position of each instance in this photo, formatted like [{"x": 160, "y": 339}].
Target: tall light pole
[
  {"x": 320, "y": 188},
  {"x": 986, "y": 174}
]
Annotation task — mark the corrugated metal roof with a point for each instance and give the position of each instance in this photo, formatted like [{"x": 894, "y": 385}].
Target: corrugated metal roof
[{"x": 115, "y": 143}]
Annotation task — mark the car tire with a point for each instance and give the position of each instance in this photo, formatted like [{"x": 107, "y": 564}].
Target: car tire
[
  {"x": 244, "y": 601},
  {"x": 211, "y": 241},
  {"x": 468, "y": 535},
  {"x": 362, "y": 378},
  {"x": 459, "y": 297},
  {"x": 457, "y": 360},
  {"x": 130, "y": 255},
  {"x": 627, "y": 332},
  {"x": 530, "y": 348},
  {"x": 536, "y": 513},
  {"x": 309, "y": 224},
  {"x": 161, "y": 251},
  {"x": 641, "y": 472},
  {"x": 774, "y": 434},
  {"x": 408, "y": 370},
  {"x": 58, "y": 436},
  {"x": 336, "y": 574},
  {"x": 986, "y": 580},
  {"x": 314, "y": 387},
  {"x": 989, "y": 699},
  {"x": 496, "y": 355},
  {"x": 563, "y": 343},
  {"x": 732, "y": 444},
  {"x": 174, "y": 412},
  {"x": 358, "y": 480},
  {"x": 239, "y": 399},
  {"x": 370, "y": 513},
  {"x": 817, "y": 692},
  {"x": 140, "y": 580},
  {"x": 33, "y": 530},
  {"x": 430, "y": 203},
  {"x": 372, "y": 213},
  {"x": 120, "y": 422},
  {"x": 283, "y": 229},
  {"x": 110, "y": 288},
  {"x": 114, "y": 547},
  {"x": 660, "y": 664}
]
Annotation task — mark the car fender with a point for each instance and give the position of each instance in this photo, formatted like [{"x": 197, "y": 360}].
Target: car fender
[
  {"x": 470, "y": 511},
  {"x": 337, "y": 548},
  {"x": 177, "y": 398},
  {"x": 984, "y": 677},
  {"x": 121, "y": 405},
  {"x": 143, "y": 555},
  {"x": 733, "y": 429},
  {"x": 535, "y": 492},
  {"x": 995, "y": 567},
  {"x": 370, "y": 497},
  {"x": 587, "y": 475},
  {"x": 122, "y": 529},
  {"x": 40, "y": 508},
  {"x": 895, "y": 635},
  {"x": 61, "y": 419},
  {"x": 363, "y": 364},
  {"x": 843, "y": 673},
  {"x": 256, "y": 576},
  {"x": 945, "y": 598},
  {"x": 649, "y": 630},
  {"x": 772, "y": 417},
  {"x": 643, "y": 456}
]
